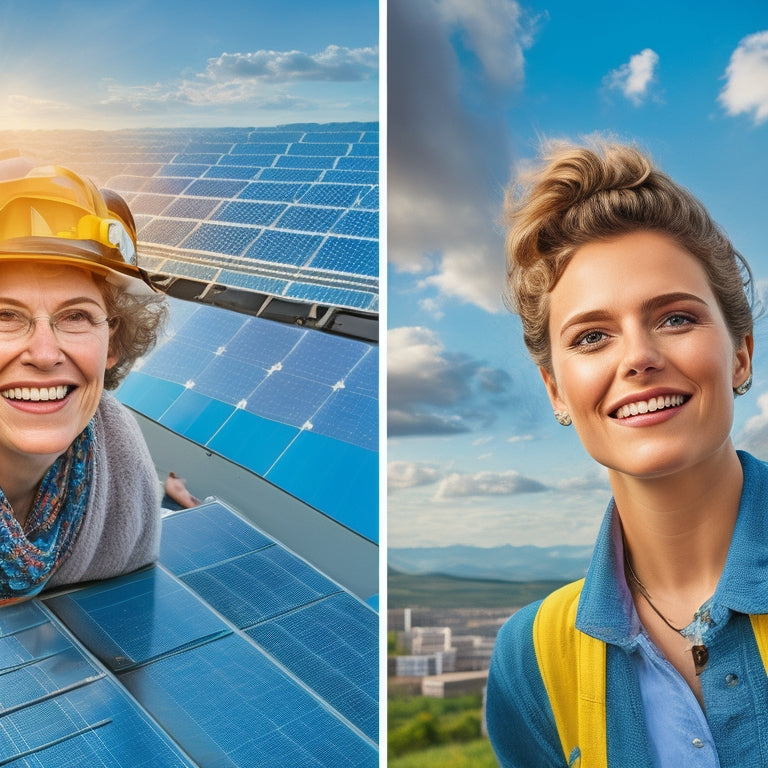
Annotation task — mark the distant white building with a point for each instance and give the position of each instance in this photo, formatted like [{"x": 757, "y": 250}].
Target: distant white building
[
  {"x": 454, "y": 684},
  {"x": 421, "y": 641},
  {"x": 425, "y": 665}
]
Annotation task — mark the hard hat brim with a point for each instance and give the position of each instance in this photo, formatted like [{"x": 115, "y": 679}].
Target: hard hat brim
[{"x": 89, "y": 255}]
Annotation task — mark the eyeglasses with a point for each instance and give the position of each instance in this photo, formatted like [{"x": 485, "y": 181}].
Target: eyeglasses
[{"x": 68, "y": 323}]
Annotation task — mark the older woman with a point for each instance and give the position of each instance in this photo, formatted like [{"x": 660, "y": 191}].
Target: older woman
[
  {"x": 78, "y": 490},
  {"x": 635, "y": 307}
]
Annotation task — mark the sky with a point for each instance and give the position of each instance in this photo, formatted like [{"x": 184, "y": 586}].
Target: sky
[
  {"x": 474, "y": 453},
  {"x": 144, "y": 63}
]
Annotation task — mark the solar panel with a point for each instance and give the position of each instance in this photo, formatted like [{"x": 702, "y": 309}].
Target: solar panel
[
  {"x": 233, "y": 649},
  {"x": 331, "y": 645},
  {"x": 181, "y": 183},
  {"x": 248, "y": 389},
  {"x": 60, "y": 708}
]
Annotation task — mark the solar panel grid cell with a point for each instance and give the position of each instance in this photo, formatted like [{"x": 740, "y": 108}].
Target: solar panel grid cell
[
  {"x": 286, "y": 192},
  {"x": 200, "y": 272},
  {"x": 305, "y": 218},
  {"x": 348, "y": 254},
  {"x": 229, "y": 380},
  {"x": 260, "y": 160},
  {"x": 205, "y": 536},
  {"x": 289, "y": 174},
  {"x": 150, "y": 204},
  {"x": 252, "y": 213},
  {"x": 284, "y": 247},
  {"x": 192, "y": 207},
  {"x": 350, "y": 417},
  {"x": 305, "y": 162},
  {"x": 260, "y": 148},
  {"x": 216, "y": 188},
  {"x": 324, "y": 150},
  {"x": 197, "y": 158},
  {"x": 358, "y": 224},
  {"x": 340, "y": 195},
  {"x": 165, "y": 231},
  {"x": 185, "y": 171},
  {"x": 220, "y": 238},
  {"x": 166, "y": 185}
]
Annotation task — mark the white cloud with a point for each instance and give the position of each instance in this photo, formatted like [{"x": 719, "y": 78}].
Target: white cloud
[
  {"x": 753, "y": 437},
  {"x": 509, "y": 483},
  {"x": 448, "y": 161},
  {"x": 635, "y": 77},
  {"x": 495, "y": 32},
  {"x": 258, "y": 79},
  {"x": 746, "y": 88},
  {"x": 417, "y": 369},
  {"x": 336, "y": 63},
  {"x": 432, "y": 391},
  {"x": 408, "y": 474}
]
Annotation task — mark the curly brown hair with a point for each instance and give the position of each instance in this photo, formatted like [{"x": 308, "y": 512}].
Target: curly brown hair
[
  {"x": 582, "y": 194},
  {"x": 136, "y": 323}
]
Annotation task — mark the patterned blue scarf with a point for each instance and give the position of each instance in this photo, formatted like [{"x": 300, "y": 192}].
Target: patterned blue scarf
[{"x": 29, "y": 557}]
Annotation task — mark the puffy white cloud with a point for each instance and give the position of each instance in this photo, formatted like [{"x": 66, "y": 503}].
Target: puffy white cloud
[
  {"x": 753, "y": 436},
  {"x": 449, "y": 162},
  {"x": 432, "y": 391},
  {"x": 495, "y": 31},
  {"x": 336, "y": 63},
  {"x": 410, "y": 474},
  {"x": 746, "y": 87},
  {"x": 635, "y": 77},
  {"x": 509, "y": 483},
  {"x": 259, "y": 79}
]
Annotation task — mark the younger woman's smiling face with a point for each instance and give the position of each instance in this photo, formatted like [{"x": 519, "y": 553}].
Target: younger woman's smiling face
[{"x": 642, "y": 358}]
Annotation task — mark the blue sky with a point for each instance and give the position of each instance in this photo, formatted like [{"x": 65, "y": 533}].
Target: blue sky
[
  {"x": 474, "y": 454},
  {"x": 144, "y": 63}
]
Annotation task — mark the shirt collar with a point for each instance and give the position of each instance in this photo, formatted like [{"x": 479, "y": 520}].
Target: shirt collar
[{"x": 605, "y": 607}]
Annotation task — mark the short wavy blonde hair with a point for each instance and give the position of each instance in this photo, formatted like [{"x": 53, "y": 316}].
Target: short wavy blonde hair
[{"x": 581, "y": 194}]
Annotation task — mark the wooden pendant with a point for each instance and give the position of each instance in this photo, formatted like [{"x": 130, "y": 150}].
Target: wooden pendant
[{"x": 700, "y": 658}]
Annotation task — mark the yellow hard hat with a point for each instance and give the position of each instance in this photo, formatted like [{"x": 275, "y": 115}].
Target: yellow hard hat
[{"x": 50, "y": 213}]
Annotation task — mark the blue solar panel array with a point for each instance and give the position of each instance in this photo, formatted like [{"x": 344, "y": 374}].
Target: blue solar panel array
[
  {"x": 232, "y": 653},
  {"x": 60, "y": 707},
  {"x": 289, "y": 211},
  {"x": 294, "y": 405}
]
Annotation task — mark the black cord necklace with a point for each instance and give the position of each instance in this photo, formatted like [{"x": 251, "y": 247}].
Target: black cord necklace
[{"x": 699, "y": 651}]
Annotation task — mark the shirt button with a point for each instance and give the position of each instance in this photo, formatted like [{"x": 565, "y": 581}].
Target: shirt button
[
  {"x": 698, "y": 743},
  {"x": 731, "y": 680}
]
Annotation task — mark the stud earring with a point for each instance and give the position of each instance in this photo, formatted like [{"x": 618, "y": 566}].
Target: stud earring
[
  {"x": 742, "y": 389},
  {"x": 563, "y": 418}
]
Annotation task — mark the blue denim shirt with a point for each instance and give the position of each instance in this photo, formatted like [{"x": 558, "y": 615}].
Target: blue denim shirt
[{"x": 653, "y": 719}]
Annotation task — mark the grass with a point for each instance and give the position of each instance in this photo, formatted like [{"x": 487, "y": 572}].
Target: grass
[{"x": 472, "y": 754}]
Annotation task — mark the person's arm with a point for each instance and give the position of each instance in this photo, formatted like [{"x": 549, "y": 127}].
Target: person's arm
[{"x": 518, "y": 715}]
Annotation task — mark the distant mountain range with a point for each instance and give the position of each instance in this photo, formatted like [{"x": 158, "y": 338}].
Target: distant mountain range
[{"x": 507, "y": 562}]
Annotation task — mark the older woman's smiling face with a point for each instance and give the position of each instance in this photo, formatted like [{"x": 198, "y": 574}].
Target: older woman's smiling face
[
  {"x": 642, "y": 359},
  {"x": 50, "y": 382}
]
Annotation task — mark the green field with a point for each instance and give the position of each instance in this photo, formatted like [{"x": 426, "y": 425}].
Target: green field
[
  {"x": 472, "y": 754},
  {"x": 425, "y": 731},
  {"x": 437, "y": 591}
]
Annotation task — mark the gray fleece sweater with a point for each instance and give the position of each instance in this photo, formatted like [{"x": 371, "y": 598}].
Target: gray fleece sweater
[{"x": 120, "y": 531}]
